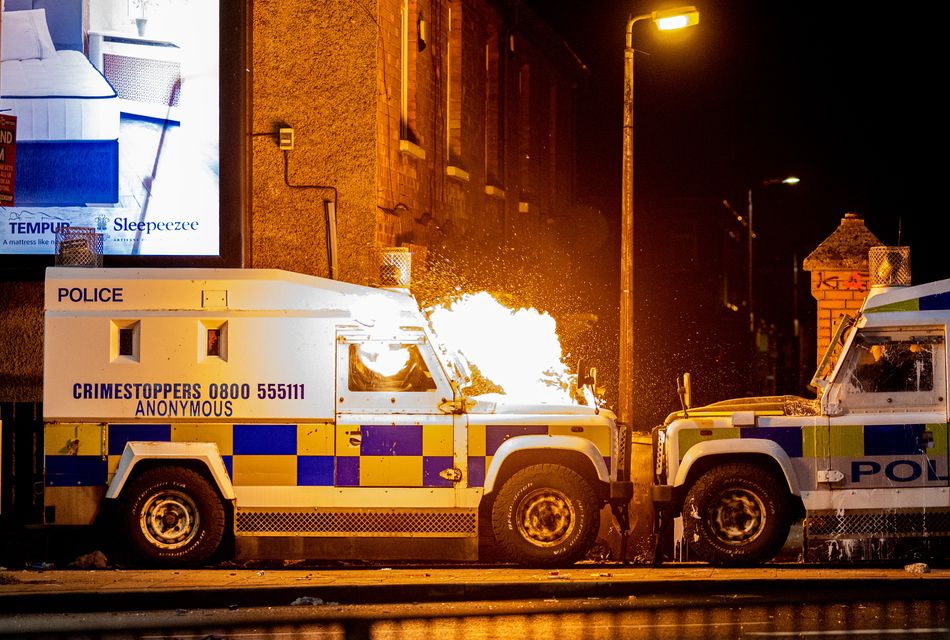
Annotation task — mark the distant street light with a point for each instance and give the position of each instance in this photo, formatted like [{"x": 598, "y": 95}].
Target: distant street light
[{"x": 665, "y": 20}]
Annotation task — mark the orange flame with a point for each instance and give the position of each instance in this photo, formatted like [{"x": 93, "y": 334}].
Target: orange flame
[{"x": 517, "y": 350}]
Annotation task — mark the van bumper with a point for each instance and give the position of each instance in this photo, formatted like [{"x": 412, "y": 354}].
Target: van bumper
[{"x": 621, "y": 491}]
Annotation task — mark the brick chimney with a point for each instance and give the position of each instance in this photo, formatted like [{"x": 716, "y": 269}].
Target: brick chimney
[{"x": 839, "y": 274}]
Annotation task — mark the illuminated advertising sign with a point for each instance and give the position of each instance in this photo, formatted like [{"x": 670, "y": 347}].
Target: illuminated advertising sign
[
  {"x": 118, "y": 108},
  {"x": 7, "y": 158}
]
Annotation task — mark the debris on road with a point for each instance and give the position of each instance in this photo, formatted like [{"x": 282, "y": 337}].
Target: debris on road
[
  {"x": 93, "y": 560},
  {"x": 917, "y": 567},
  {"x": 306, "y": 600}
]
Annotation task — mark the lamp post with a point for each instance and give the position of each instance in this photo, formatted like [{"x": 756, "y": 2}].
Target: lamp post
[
  {"x": 791, "y": 181},
  {"x": 753, "y": 342},
  {"x": 665, "y": 20}
]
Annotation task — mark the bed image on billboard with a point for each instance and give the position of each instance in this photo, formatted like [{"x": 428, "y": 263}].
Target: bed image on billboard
[{"x": 117, "y": 124}]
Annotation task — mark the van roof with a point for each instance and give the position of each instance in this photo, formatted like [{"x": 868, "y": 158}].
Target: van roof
[
  {"x": 932, "y": 296},
  {"x": 159, "y": 289}
]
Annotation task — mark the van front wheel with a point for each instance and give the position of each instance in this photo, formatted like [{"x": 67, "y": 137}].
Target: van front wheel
[
  {"x": 545, "y": 515},
  {"x": 172, "y": 517},
  {"x": 736, "y": 515}
]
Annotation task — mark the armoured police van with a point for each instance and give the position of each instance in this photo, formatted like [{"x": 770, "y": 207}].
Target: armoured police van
[
  {"x": 865, "y": 464},
  {"x": 267, "y": 414}
]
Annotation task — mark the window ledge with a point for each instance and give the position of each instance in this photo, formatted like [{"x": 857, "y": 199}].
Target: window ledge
[
  {"x": 412, "y": 149},
  {"x": 457, "y": 172},
  {"x": 495, "y": 192}
]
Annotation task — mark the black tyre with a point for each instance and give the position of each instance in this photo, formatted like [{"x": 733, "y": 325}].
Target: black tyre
[
  {"x": 172, "y": 517},
  {"x": 545, "y": 515},
  {"x": 736, "y": 515}
]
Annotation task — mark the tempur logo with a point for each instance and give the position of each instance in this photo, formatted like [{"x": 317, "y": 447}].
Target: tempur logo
[
  {"x": 124, "y": 224},
  {"x": 33, "y": 228}
]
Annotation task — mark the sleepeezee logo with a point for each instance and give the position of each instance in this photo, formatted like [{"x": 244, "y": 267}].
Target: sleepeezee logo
[{"x": 124, "y": 224}]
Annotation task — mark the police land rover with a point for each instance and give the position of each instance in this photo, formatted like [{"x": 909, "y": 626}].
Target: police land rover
[
  {"x": 263, "y": 414},
  {"x": 865, "y": 464}
]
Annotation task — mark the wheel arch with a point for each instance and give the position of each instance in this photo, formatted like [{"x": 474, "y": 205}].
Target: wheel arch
[
  {"x": 202, "y": 457},
  {"x": 690, "y": 471},
  {"x": 578, "y": 454}
]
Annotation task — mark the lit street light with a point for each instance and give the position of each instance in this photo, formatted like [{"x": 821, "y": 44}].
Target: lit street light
[{"x": 665, "y": 20}]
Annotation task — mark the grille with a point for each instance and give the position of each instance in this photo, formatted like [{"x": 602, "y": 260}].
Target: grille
[
  {"x": 395, "y": 268},
  {"x": 358, "y": 522},
  {"x": 659, "y": 454},
  {"x": 889, "y": 266},
  {"x": 896, "y": 524},
  {"x": 78, "y": 247},
  {"x": 622, "y": 451}
]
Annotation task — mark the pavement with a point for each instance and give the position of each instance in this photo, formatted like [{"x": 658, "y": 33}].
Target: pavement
[{"x": 42, "y": 590}]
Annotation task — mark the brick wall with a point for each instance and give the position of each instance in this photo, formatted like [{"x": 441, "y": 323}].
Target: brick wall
[
  {"x": 414, "y": 170},
  {"x": 839, "y": 275},
  {"x": 467, "y": 117},
  {"x": 314, "y": 70},
  {"x": 836, "y": 292}
]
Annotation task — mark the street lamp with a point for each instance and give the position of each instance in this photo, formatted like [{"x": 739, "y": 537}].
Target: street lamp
[
  {"x": 753, "y": 353},
  {"x": 665, "y": 20}
]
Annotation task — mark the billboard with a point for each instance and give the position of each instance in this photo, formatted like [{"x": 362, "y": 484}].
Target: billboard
[
  {"x": 7, "y": 158},
  {"x": 120, "y": 110}
]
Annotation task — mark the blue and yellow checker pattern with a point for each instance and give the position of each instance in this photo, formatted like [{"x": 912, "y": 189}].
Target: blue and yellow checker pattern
[
  {"x": 484, "y": 440},
  {"x": 842, "y": 444},
  {"x": 299, "y": 455},
  {"x": 263, "y": 454},
  {"x": 410, "y": 455}
]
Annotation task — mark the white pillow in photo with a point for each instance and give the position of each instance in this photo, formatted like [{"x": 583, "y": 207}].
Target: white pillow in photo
[{"x": 26, "y": 35}]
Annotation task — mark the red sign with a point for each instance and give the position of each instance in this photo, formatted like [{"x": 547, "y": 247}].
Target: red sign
[{"x": 7, "y": 159}]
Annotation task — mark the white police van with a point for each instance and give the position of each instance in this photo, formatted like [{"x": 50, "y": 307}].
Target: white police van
[
  {"x": 263, "y": 414},
  {"x": 865, "y": 464}
]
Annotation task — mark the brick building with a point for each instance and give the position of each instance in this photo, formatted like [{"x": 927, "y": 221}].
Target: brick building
[{"x": 438, "y": 122}]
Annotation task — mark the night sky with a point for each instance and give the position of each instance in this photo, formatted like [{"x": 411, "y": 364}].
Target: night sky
[{"x": 842, "y": 95}]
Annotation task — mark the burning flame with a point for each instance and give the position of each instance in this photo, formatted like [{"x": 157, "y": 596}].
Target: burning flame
[
  {"x": 517, "y": 350},
  {"x": 386, "y": 360}
]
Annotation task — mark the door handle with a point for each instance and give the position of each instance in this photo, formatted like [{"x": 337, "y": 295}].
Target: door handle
[{"x": 355, "y": 441}]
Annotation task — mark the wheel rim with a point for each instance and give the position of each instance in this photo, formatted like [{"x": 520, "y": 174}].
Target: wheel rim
[
  {"x": 545, "y": 517},
  {"x": 169, "y": 519},
  {"x": 738, "y": 516}
]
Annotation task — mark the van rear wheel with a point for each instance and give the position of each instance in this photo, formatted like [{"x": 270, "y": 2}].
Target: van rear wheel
[
  {"x": 172, "y": 517},
  {"x": 545, "y": 515}
]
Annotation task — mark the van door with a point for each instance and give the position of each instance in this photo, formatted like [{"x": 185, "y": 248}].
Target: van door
[
  {"x": 891, "y": 430},
  {"x": 390, "y": 431}
]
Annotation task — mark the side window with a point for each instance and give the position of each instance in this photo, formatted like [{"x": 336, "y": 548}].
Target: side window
[
  {"x": 388, "y": 367},
  {"x": 895, "y": 370}
]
